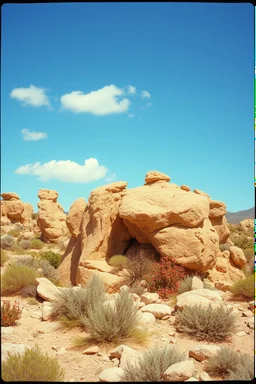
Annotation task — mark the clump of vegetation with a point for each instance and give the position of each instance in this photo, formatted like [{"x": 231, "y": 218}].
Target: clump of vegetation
[
  {"x": 16, "y": 277},
  {"x": 48, "y": 270},
  {"x": 137, "y": 269},
  {"x": 166, "y": 277},
  {"x": 137, "y": 288},
  {"x": 231, "y": 365},
  {"x": 53, "y": 258},
  {"x": 14, "y": 232},
  {"x": 25, "y": 244},
  {"x": 7, "y": 242},
  {"x": 10, "y": 313},
  {"x": 36, "y": 244},
  {"x": 243, "y": 242},
  {"x": 118, "y": 261},
  {"x": 73, "y": 304},
  {"x": 244, "y": 287},
  {"x": 152, "y": 364},
  {"x": 185, "y": 285},
  {"x": 206, "y": 323},
  {"x": 18, "y": 250},
  {"x": 112, "y": 320},
  {"x": 29, "y": 291},
  {"x": 34, "y": 365},
  {"x": 34, "y": 216},
  {"x": 4, "y": 257}
]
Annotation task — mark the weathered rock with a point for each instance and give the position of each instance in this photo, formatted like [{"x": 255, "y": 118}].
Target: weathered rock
[
  {"x": 46, "y": 289},
  {"x": 199, "y": 192},
  {"x": 91, "y": 350},
  {"x": 46, "y": 310},
  {"x": 61, "y": 351},
  {"x": 238, "y": 256},
  {"x": 84, "y": 274},
  {"x": 203, "y": 376},
  {"x": 220, "y": 224},
  {"x": 158, "y": 310},
  {"x": 153, "y": 176},
  {"x": 147, "y": 319},
  {"x": 51, "y": 217},
  {"x": 12, "y": 348},
  {"x": 197, "y": 283},
  {"x": 217, "y": 209},
  {"x": 203, "y": 297},
  {"x": 246, "y": 224},
  {"x": 185, "y": 188},
  {"x": 10, "y": 196},
  {"x": 179, "y": 371},
  {"x": 75, "y": 215},
  {"x": 203, "y": 352},
  {"x": 149, "y": 298},
  {"x": 6, "y": 330},
  {"x": 110, "y": 375}
]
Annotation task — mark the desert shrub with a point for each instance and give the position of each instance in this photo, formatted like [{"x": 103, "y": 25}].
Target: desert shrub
[
  {"x": 25, "y": 244},
  {"x": 185, "y": 285},
  {"x": 112, "y": 320},
  {"x": 166, "y": 277},
  {"x": 118, "y": 261},
  {"x": 10, "y": 313},
  {"x": 36, "y": 244},
  {"x": 137, "y": 269},
  {"x": 29, "y": 291},
  {"x": 137, "y": 288},
  {"x": 231, "y": 364},
  {"x": 14, "y": 232},
  {"x": 74, "y": 303},
  {"x": 48, "y": 270},
  {"x": 32, "y": 365},
  {"x": 244, "y": 287},
  {"x": 33, "y": 253},
  {"x": 53, "y": 258},
  {"x": 249, "y": 253},
  {"x": 232, "y": 228},
  {"x": 152, "y": 364},
  {"x": 7, "y": 242},
  {"x": 18, "y": 250},
  {"x": 16, "y": 277},
  {"x": 4, "y": 257},
  {"x": 224, "y": 247},
  {"x": 243, "y": 242},
  {"x": 34, "y": 216},
  {"x": 206, "y": 323}
]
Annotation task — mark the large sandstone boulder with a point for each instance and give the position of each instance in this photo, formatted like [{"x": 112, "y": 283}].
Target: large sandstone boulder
[
  {"x": 75, "y": 216},
  {"x": 51, "y": 217},
  {"x": 220, "y": 224},
  {"x": 15, "y": 210},
  {"x": 246, "y": 224},
  {"x": 153, "y": 176}
]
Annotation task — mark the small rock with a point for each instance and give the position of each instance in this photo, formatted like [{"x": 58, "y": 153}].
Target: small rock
[
  {"x": 172, "y": 333},
  {"x": 135, "y": 297},
  {"x": 172, "y": 340},
  {"x": 36, "y": 315},
  {"x": 141, "y": 304},
  {"x": 158, "y": 310},
  {"x": 250, "y": 323},
  {"x": 115, "y": 361},
  {"x": 91, "y": 350},
  {"x": 105, "y": 358},
  {"x": 46, "y": 310},
  {"x": 6, "y": 330},
  {"x": 46, "y": 289},
  {"x": 114, "y": 374},
  {"x": 124, "y": 288},
  {"x": 203, "y": 376},
  {"x": 147, "y": 319},
  {"x": 203, "y": 352},
  {"x": 165, "y": 318},
  {"x": 248, "y": 313},
  {"x": 179, "y": 371},
  {"x": 149, "y": 298},
  {"x": 100, "y": 354},
  {"x": 197, "y": 283},
  {"x": 61, "y": 351},
  {"x": 192, "y": 379},
  {"x": 242, "y": 333},
  {"x": 54, "y": 347}
]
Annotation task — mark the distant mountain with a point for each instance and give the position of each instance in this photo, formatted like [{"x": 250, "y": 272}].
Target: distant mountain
[{"x": 236, "y": 217}]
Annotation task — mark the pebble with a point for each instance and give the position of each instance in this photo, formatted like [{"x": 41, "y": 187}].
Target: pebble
[{"x": 242, "y": 333}]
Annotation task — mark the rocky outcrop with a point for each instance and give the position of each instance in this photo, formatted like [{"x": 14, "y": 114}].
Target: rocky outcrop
[
  {"x": 51, "y": 217},
  {"x": 158, "y": 219},
  {"x": 14, "y": 210},
  {"x": 246, "y": 224}
]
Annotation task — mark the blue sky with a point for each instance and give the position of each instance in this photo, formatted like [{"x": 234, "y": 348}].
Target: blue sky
[{"x": 129, "y": 87}]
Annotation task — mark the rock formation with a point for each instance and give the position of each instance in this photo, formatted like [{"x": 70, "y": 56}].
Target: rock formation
[
  {"x": 13, "y": 210},
  {"x": 159, "y": 218},
  {"x": 51, "y": 217},
  {"x": 246, "y": 224}
]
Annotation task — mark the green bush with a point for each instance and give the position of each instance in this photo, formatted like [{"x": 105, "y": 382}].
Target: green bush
[
  {"x": 16, "y": 277},
  {"x": 33, "y": 365},
  {"x": 25, "y": 244},
  {"x": 7, "y": 242},
  {"x": 249, "y": 253},
  {"x": 231, "y": 365},
  {"x": 152, "y": 364},
  {"x": 53, "y": 258},
  {"x": 243, "y": 242},
  {"x": 48, "y": 270},
  {"x": 4, "y": 257},
  {"x": 185, "y": 285},
  {"x": 244, "y": 287},
  {"x": 36, "y": 244},
  {"x": 118, "y": 261},
  {"x": 137, "y": 269},
  {"x": 74, "y": 303},
  {"x": 14, "y": 232},
  {"x": 17, "y": 250},
  {"x": 112, "y": 320},
  {"x": 206, "y": 323}
]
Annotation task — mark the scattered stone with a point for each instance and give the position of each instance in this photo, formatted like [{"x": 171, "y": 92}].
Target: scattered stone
[
  {"x": 105, "y": 358},
  {"x": 165, "y": 318},
  {"x": 158, "y": 310},
  {"x": 6, "y": 330},
  {"x": 149, "y": 298},
  {"x": 46, "y": 310},
  {"x": 61, "y": 351},
  {"x": 141, "y": 304},
  {"x": 147, "y": 319},
  {"x": 91, "y": 350},
  {"x": 135, "y": 297},
  {"x": 172, "y": 333},
  {"x": 180, "y": 371},
  {"x": 202, "y": 297},
  {"x": 54, "y": 347},
  {"x": 203, "y": 352},
  {"x": 197, "y": 283},
  {"x": 203, "y": 376},
  {"x": 114, "y": 374},
  {"x": 241, "y": 333},
  {"x": 115, "y": 361},
  {"x": 46, "y": 289}
]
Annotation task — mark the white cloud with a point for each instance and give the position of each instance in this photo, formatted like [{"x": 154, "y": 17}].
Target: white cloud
[
  {"x": 131, "y": 115},
  {"x": 32, "y": 136},
  {"x": 104, "y": 101},
  {"x": 131, "y": 89},
  {"x": 30, "y": 96},
  {"x": 111, "y": 178},
  {"x": 145, "y": 95},
  {"x": 65, "y": 170}
]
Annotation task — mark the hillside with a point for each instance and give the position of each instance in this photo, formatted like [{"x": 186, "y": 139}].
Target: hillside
[{"x": 236, "y": 217}]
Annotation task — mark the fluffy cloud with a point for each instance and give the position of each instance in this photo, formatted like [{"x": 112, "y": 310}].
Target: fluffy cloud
[
  {"x": 110, "y": 178},
  {"x": 33, "y": 96},
  {"x": 33, "y": 136},
  {"x": 65, "y": 170},
  {"x": 104, "y": 101},
  {"x": 131, "y": 89},
  {"x": 145, "y": 95}
]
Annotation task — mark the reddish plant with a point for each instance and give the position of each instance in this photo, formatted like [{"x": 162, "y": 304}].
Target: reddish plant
[
  {"x": 166, "y": 278},
  {"x": 10, "y": 314}
]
